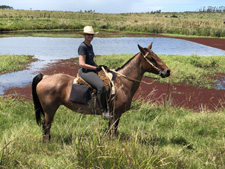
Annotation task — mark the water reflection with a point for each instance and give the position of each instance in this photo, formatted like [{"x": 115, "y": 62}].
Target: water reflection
[{"x": 51, "y": 49}]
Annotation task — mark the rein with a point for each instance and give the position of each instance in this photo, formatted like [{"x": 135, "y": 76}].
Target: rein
[
  {"x": 131, "y": 79},
  {"x": 145, "y": 56}
]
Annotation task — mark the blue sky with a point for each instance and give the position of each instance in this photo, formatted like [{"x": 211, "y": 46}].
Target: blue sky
[{"x": 113, "y": 6}]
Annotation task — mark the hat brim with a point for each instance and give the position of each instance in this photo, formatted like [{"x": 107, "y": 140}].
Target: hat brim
[{"x": 92, "y": 33}]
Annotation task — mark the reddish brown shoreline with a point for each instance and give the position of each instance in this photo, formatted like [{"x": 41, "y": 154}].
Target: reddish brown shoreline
[
  {"x": 179, "y": 95},
  {"x": 212, "y": 42}
]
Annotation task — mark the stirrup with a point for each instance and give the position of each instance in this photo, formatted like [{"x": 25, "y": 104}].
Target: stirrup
[{"x": 106, "y": 115}]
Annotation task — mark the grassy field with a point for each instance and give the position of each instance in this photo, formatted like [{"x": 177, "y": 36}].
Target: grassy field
[
  {"x": 191, "y": 70},
  {"x": 10, "y": 63},
  {"x": 149, "y": 136},
  {"x": 186, "y": 23}
]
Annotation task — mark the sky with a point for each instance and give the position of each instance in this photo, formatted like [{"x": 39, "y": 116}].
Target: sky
[{"x": 113, "y": 6}]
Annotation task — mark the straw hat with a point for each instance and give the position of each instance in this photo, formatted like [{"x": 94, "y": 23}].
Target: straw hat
[{"x": 89, "y": 30}]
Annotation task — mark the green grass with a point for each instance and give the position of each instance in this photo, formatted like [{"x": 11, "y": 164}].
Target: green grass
[
  {"x": 73, "y": 33},
  {"x": 192, "y": 70},
  {"x": 150, "y": 136},
  {"x": 188, "y": 36},
  {"x": 10, "y": 63},
  {"x": 186, "y": 23}
]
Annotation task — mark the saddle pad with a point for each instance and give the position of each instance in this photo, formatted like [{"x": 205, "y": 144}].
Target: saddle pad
[
  {"x": 80, "y": 93},
  {"x": 106, "y": 79}
]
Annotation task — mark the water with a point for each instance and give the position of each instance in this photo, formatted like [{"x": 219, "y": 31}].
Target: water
[
  {"x": 221, "y": 83},
  {"x": 52, "y": 49},
  {"x": 63, "y": 48}
]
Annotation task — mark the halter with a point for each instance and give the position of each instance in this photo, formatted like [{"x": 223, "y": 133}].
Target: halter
[{"x": 145, "y": 56}]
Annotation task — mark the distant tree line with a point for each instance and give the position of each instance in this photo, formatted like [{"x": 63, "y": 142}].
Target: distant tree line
[
  {"x": 5, "y": 7},
  {"x": 88, "y": 11},
  {"x": 212, "y": 9},
  {"x": 157, "y": 11}
]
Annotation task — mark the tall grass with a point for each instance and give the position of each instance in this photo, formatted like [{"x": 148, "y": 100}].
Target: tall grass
[
  {"x": 187, "y": 23},
  {"x": 9, "y": 63},
  {"x": 150, "y": 136},
  {"x": 191, "y": 70}
]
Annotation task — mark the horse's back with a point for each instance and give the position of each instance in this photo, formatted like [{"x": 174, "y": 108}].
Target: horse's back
[{"x": 54, "y": 87}]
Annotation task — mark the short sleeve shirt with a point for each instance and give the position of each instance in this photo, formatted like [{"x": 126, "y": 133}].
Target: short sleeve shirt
[{"x": 86, "y": 50}]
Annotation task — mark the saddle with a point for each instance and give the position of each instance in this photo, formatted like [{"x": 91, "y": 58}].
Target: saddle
[
  {"x": 105, "y": 76},
  {"x": 84, "y": 93}
]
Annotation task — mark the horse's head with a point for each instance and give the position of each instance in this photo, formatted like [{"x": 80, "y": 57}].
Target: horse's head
[{"x": 152, "y": 63}]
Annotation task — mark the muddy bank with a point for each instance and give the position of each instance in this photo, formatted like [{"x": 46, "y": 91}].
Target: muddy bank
[{"x": 212, "y": 42}]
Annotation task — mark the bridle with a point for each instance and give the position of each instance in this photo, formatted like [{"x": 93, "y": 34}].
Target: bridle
[{"x": 145, "y": 56}]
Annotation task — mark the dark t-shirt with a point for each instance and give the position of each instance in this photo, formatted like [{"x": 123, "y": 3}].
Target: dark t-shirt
[{"x": 86, "y": 50}]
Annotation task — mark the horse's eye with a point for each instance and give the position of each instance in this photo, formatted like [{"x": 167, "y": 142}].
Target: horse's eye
[{"x": 152, "y": 59}]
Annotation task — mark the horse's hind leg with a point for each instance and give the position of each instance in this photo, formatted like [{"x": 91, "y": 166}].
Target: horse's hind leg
[
  {"x": 47, "y": 122},
  {"x": 46, "y": 126}
]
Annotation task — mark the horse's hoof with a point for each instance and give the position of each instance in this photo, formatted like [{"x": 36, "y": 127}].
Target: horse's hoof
[{"x": 106, "y": 115}]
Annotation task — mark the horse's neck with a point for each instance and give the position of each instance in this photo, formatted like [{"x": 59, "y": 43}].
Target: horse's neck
[
  {"x": 133, "y": 73},
  {"x": 133, "y": 68}
]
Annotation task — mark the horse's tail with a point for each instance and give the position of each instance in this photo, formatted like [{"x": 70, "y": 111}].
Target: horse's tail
[{"x": 37, "y": 105}]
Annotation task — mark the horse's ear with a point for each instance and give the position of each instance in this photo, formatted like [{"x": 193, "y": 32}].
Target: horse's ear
[
  {"x": 150, "y": 46},
  {"x": 141, "y": 49}
]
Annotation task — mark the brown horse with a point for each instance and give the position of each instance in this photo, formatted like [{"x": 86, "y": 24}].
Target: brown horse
[{"x": 51, "y": 91}]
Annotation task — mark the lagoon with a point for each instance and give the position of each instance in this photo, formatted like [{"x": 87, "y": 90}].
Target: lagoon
[{"x": 64, "y": 48}]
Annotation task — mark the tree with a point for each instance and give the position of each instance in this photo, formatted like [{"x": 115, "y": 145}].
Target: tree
[
  {"x": 5, "y": 7},
  {"x": 212, "y": 9}
]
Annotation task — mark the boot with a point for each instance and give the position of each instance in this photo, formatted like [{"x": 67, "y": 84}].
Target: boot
[{"x": 106, "y": 115}]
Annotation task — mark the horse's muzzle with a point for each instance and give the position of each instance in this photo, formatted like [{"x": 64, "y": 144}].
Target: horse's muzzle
[{"x": 165, "y": 73}]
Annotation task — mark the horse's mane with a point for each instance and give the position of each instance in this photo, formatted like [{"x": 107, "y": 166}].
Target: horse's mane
[{"x": 126, "y": 63}]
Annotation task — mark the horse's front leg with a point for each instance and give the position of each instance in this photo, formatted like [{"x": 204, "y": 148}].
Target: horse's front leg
[{"x": 113, "y": 125}]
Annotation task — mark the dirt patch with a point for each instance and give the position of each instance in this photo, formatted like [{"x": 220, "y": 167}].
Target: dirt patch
[
  {"x": 197, "y": 99},
  {"x": 212, "y": 42}
]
